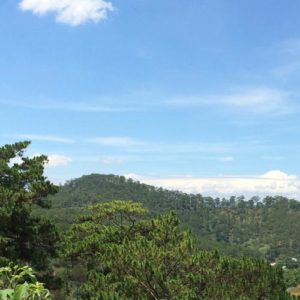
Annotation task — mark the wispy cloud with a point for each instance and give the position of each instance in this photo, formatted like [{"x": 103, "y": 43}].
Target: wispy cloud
[
  {"x": 116, "y": 141},
  {"x": 71, "y": 12},
  {"x": 261, "y": 100},
  {"x": 251, "y": 101},
  {"x": 145, "y": 146},
  {"x": 46, "y": 138},
  {"x": 271, "y": 183},
  {"x": 70, "y": 106},
  {"x": 256, "y": 100}
]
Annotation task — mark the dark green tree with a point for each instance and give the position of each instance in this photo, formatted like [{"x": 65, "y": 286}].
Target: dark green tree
[
  {"x": 121, "y": 256},
  {"x": 23, "y": 237}
]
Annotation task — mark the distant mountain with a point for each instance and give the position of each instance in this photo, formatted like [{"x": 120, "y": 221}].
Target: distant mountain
[{"x": 268, "y": 227}]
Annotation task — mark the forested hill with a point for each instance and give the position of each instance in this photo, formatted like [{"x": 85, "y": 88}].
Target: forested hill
[
  {"x": 96, "y": 188},
  {"x": 268, "y": 227}
]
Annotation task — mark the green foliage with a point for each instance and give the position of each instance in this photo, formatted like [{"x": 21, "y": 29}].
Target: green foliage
[
  {"x": 292, "y": 277},
  {"x": 109, "y": 220},
  {"x": 124, "y": 257},
  {"x": 121, "y": 250},
  {"x": 19, "y": 283},
  {"x": 266, "y": 228},
  {"x": 24, "y": 237}
]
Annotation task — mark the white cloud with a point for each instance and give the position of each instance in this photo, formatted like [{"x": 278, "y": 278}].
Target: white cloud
[
  {"x": 134, "y": 176},
  {"x": 57, "y": 160},
  {"x": 46, "y": 138},
  {"x": 54, "y": 160},
  {"x": 258, "y": 100},
  {"x": 125, "y": 102},
  {"x": 271, "y": 183},
  {"x": 16, "y": 160},
  {"x": 116, "y": 141},
  {"x": 143, "y": 146},
  {"x": 83, "y": 107},
  {"x": 276, "y": 174},
  {"x": 71, "y": 12},
  {"x": 251, "y": 100}
]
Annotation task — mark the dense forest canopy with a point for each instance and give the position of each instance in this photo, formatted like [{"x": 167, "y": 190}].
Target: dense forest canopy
[
  {"x": 122, "y": 256},
  {"x": 91, "y": 246},
  {"x": 267, "y": 227}
]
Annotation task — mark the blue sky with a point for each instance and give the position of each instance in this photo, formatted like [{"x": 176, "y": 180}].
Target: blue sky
[{"x": 200, "y": 95}]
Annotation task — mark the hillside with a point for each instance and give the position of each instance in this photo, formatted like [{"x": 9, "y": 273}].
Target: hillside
[
  {"x": 95, "y": 188},
  {"x": 266, "y": 227}
]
